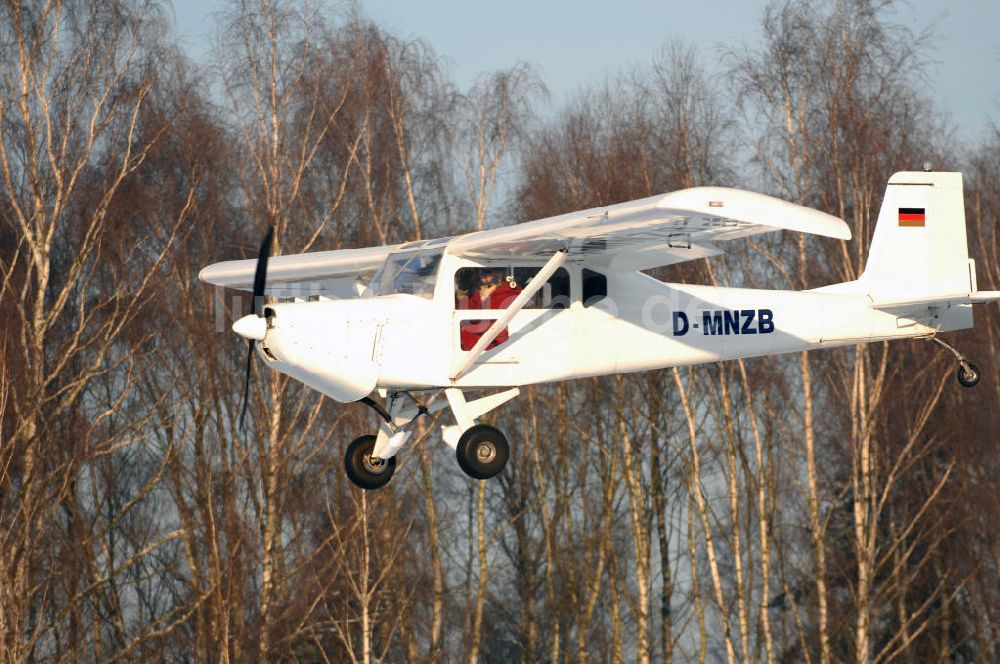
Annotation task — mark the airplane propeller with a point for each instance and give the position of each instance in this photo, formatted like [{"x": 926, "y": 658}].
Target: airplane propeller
[{"x": 253, "y": 327}]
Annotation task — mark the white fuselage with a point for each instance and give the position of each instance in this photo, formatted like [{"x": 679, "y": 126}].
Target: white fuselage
[{"x": 347, "y": 348}]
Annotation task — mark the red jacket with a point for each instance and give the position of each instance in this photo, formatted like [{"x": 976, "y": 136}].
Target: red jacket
[{"x": 471, "y": 330}]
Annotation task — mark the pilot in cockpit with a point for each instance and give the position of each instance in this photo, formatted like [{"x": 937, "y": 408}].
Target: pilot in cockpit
[{"x": 493, "y": 289}]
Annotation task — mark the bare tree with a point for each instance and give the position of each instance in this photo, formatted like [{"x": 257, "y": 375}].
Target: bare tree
[
  {"x": 812, "y": 508},
  {"x": 494, "y": 116},
  {"x": 832, "y": 110},
  {"x": 287, "y": 115},
  {"x": 77, "y": 277}
]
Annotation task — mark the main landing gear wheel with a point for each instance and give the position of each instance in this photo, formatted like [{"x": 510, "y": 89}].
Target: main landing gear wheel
[
  {"x": 360, "y": 468},
  {"x": 482, "y": 451},
  {"x": 968, "y": 374}
]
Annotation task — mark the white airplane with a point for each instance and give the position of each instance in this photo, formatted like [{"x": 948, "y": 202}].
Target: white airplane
[{"x": 565, "y": 297}]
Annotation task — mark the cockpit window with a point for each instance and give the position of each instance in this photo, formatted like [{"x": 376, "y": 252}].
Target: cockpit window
[
  {"x": 496, "y": 286},
  {"x": 411, "y": 271}
]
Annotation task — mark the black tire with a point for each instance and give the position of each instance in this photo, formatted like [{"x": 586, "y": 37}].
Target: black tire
[
  {"x": 360, "y": 470},
  {"x": 968, "y": 378},
  {"x": 482, "y": 452}
]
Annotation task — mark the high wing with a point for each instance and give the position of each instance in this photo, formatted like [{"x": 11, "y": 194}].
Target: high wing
[
  {"x": 329, "y": 273},
  {"x": 650, "y": 232},
  {"x": 637, "y": 235}
]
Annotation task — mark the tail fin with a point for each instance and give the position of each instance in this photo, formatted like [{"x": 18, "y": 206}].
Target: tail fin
[{"x": 919, "y": 250}]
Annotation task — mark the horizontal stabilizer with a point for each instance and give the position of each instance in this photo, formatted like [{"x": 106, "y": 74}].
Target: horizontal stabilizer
[{"x": 978, "y": 297}]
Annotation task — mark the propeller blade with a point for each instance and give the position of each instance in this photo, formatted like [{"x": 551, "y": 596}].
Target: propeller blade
[
  {"x": 259, "y": 284},
  {"x": 260, "y": 276},
  {"x": 246, "y": 386}
]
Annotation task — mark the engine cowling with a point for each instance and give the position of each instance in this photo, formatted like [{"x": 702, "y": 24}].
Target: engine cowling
[{"x": 333, "y": 347}]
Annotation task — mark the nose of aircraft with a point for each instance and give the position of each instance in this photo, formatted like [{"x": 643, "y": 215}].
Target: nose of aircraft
[
  {"x": 251, "y": 327},
  {"x": 330, "y": 346}
]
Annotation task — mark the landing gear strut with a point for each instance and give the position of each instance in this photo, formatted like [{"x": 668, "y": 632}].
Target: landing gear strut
[
  {"x": 481, "y": 450},
  {"x": 968, "y": 373},
  {"x": 370, "y": 460}
]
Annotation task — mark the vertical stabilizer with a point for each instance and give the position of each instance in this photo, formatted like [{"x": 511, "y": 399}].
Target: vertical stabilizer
[{"x": 919, "y": 249}]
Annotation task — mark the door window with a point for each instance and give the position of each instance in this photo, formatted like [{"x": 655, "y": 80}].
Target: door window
[{"x": 495, "y": 288}]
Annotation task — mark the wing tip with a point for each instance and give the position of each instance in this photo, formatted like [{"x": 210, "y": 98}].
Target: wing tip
[{"x": 205, "y": 274}]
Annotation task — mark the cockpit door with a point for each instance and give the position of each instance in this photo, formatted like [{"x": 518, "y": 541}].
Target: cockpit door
[{"x": 537, "y": 343}]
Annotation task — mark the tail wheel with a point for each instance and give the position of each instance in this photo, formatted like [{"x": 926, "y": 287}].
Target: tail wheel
[
  {"x": 361, "y": 469},
  {"x": 482, "y": 451},
  {"x": 968, "y": 374}
]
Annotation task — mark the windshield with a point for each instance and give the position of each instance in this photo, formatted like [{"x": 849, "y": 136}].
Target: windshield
[{"x": 411, "y": 271}]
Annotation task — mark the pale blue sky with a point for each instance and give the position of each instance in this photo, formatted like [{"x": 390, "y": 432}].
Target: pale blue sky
[{"x": 577, "y": 43}]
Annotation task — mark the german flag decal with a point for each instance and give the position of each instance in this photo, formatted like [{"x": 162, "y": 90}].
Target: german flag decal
[{"x": 911, "y": 217}]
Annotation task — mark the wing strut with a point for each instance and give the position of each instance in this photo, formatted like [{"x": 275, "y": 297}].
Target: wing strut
[{"x": 500, "y": 323}]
